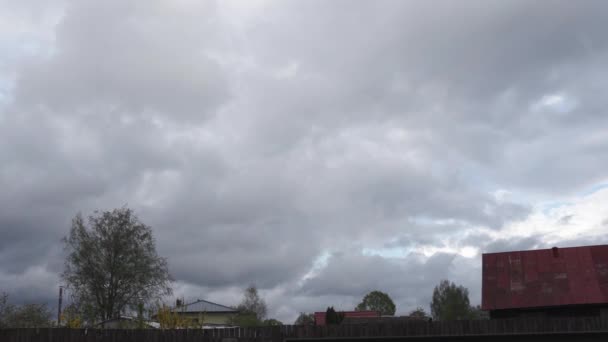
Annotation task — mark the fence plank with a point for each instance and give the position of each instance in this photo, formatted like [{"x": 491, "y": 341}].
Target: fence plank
[{"x": 280, "y": 333}]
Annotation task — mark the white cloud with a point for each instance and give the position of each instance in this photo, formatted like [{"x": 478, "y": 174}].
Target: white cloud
[{"x": 586, "y": 220}]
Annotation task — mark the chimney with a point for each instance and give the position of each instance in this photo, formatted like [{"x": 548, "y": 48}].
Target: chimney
[{"x": 555, "y": 251}]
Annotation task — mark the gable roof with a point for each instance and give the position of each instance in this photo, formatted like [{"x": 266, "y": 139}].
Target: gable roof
[
  {"x": 545, "y": 278},
  {"x": 205, "y": 306}
]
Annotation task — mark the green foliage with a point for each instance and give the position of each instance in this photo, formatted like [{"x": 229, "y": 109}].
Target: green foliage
[
  {"x": 78, "y": 314},
  {"x": 245, "y": 319},
  {"x": 272, "y": 322},
  {"x": 6, "y": 310},
  {"x": 419, "y": 313},
  {"x": 333, "y": 317},
  {"x": 24, "y": 316},
  {"x": 140, "y": 320},
  {"x": 31, "y": 316},
  {"x": 305, "y": 319},
  {"x": 377, "y": 301},
  {"x": 112, "y": 264},
  {"x": 450, "y": 302},
  {"x": 478, "y": 314}
]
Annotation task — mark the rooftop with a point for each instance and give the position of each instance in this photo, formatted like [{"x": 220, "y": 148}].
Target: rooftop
[
  {"x": 205, "y": 306},
  {"x": 545, "y": 278}
]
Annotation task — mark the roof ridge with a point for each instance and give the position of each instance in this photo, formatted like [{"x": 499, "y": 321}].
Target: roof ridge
[
  {"x": 546, "y": 249},
  {"x": 206, "y": 301}
]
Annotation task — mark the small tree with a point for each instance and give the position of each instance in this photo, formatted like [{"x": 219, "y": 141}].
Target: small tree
[
  {"x": 272, "y": 322},
  {"x": 244, "y": 319},
  {"x": 72, "y": 317},
  {"x": 450, "y": 302},
  {"x": 6, "y": 311},
  {"x": 419, "y": 313},
  {"x": 477, "y": 313},
  {"x": 32, "y": 316},
  {"x": 333, "y": 317},
  {"x": 252, "y": 309},
  {"x": 23, "y": 316},
  {"x": 377, "y": 301},
  {"x": 140, "y": 320},
  {"x": 169, "y": 319},
  {"x": 305, "y": 319}
]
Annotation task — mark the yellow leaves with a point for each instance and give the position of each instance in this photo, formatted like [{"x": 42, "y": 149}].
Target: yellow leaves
[
  {"x": 72, "y": 321},
  {"x": 169, "y": 319}
]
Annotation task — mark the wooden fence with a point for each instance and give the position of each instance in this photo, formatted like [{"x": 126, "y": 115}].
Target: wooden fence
[{"x": 340, "y": 332}]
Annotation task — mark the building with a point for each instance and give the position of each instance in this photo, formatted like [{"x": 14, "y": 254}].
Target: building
[
  {"x": 127, "y": 322},
  {"x": 350, "y": 315},
  {"x": 383, "y": 320},
  {"x": 207, "y": 314},
  {"x": 555, "y": 282}
]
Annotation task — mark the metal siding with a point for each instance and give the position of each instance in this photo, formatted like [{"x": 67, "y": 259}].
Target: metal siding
[
  {"x": 592, "y": 288},
  {"x": 600, "y": 258},
  {"x": 320, "y": 318},
  {"x": 488, "y": 281},
  {"x": 525, "y": 279},
  {"x": 502, "y": 281}
]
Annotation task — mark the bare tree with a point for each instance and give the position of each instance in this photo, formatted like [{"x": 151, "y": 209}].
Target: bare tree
[{"x": 252, "y": 309}]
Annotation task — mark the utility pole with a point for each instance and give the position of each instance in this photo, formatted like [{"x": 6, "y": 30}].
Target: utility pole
[{"x": 59, "y": 306}]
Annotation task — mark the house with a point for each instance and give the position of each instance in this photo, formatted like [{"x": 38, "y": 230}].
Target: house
[
  {"x": 207, "y": 314},
  {"x": 350, "y": 315},
  {"x": 556, "y": 282},
  {"x": 126, "y": 322},
  {"x": 382, "y": 319}
]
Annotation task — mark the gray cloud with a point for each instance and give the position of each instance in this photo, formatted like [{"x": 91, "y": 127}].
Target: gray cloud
[
  {"x": 409, "y": 280},
  {"x": 148, "y": 60},
  {"x": 356, "y": 275},
  {"x": 256, "y": 139},
  {"x": 565, "y": 219},
  {"x": 505, "y": 245}
]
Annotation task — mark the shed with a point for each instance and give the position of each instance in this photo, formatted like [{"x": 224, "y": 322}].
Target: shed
[{"x": 569, "y": 281}]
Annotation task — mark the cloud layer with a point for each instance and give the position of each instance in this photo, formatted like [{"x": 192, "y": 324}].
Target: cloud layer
[{"x": 318, "y": 149}]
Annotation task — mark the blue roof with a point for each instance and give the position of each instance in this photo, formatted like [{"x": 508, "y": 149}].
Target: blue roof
[{"x": 205, "y": 306}]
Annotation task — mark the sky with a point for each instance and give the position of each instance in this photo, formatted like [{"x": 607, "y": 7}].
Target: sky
[{"x": 317, "y": 149}]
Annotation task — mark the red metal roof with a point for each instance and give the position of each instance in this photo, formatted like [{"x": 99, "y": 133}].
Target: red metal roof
[
  {"x": 320, "y": 316},
  {"x": 545, "y": 277}
]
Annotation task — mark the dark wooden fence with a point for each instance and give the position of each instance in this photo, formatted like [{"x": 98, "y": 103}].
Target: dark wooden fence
[{"x": 414, "y": 330}]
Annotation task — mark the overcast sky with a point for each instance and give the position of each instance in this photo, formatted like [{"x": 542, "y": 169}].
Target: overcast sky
[{"x": 318, "y": 149}]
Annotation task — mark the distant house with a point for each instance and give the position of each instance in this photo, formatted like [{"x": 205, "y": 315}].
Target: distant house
[
  {"x": 207, "y": 314},
  {"x": 382, "y": 319},
  {"x": 348, "y": 315},
  {"x": 126, "y": 322},
  {"x": 555, "y": 282}
]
